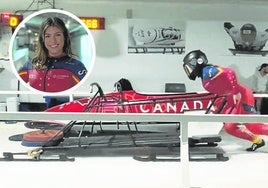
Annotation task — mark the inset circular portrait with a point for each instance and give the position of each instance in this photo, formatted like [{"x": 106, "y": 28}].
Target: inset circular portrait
[{"x": 52, "y": 51}]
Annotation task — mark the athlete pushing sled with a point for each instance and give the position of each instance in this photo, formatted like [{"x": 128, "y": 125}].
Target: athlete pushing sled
[{"x": 222, "y": 80}]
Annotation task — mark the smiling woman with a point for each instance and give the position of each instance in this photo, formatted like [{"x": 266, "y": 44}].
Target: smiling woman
[
  {"x": 54, "y": 67},
  {"x": 54, "y": 39}
]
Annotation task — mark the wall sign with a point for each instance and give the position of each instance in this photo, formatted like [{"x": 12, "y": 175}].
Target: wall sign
[
  {"x": 12, "y": 20},
  {"x": 94, "y": 23}
]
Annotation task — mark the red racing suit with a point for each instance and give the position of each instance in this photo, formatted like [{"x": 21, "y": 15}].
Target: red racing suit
[
  {"x": 240, "y": 100},
  {"x": 59, "y": 75}
]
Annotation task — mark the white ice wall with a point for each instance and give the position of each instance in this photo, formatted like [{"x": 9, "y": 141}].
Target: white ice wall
[{"x": 149, "y": 72}]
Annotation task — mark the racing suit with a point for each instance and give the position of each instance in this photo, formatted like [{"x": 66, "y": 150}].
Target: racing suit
[
  {"x": 240, "y": 100},
  {"x": 60, "y": 74}
]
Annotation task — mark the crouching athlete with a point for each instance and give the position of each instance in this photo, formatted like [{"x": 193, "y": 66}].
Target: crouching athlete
[{"x": 240, "y": 99}]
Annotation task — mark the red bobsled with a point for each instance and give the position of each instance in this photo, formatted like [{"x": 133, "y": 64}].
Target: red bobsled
[
  {"x": 126, "y": 100},
  {"x": 130, "y": 101}
]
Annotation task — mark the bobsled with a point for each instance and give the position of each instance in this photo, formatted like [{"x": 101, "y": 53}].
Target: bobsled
[
  {"x": 75, "y": 137},
  {"x": 126, "y": 100},
  {"x": 130, "y": 101}
]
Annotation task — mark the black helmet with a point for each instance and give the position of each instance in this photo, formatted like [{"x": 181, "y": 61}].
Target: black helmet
[
  {"x": 248, "y": 33},
  {"x": 123, "y": 85},
  {"x": 248, "y": 29},
  {"x": 193, "y": 63}
]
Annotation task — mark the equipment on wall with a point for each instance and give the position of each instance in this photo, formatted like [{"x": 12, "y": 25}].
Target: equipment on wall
[{"x": 247, "y": 39}]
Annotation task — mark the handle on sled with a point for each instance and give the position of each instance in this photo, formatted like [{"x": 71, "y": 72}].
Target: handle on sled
[{"x": 100, "y": 91}]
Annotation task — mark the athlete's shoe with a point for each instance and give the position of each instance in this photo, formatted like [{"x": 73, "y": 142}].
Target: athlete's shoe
[{"x": 256, "y": 146}]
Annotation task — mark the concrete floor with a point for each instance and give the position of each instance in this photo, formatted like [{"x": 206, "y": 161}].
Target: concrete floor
[{"x": 243, "y": 169}]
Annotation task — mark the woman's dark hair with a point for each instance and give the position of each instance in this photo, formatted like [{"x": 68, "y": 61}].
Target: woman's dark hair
[{"x": 263, "y": 66}]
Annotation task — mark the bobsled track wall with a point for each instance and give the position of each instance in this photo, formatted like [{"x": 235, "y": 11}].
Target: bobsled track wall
[{"x": 184, "y": 120}]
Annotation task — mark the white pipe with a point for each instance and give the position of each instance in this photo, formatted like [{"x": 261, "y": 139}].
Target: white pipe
[
  {"x": 47, "y": 94},
  {"x": 256, "y": 95},
  {"x": 132, "y": 117}
]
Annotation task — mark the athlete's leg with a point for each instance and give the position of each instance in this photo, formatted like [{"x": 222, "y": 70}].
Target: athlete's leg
[
  {"x": 237, "y": 130},
  {"x": 244, "y": 133},
  {"x": 257, "y": 128}
]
